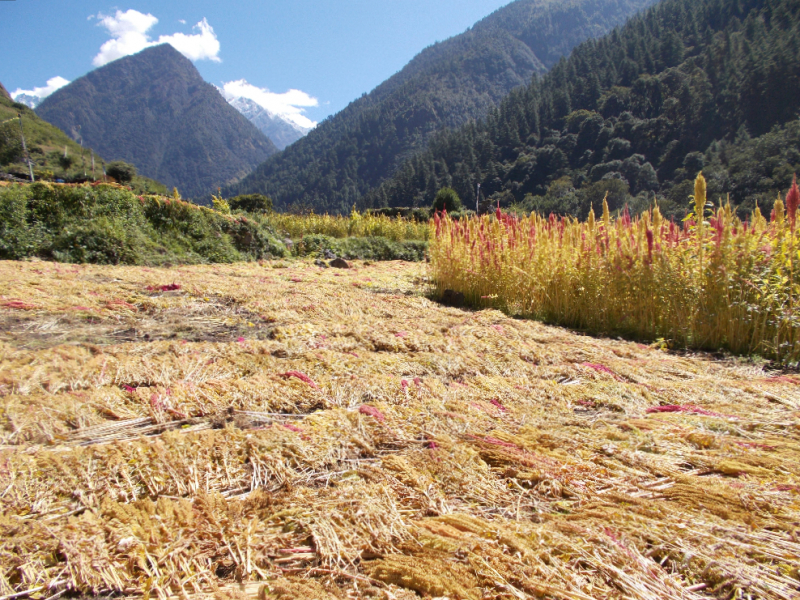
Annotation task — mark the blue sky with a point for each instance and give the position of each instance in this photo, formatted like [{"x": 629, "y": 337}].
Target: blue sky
[{"x": 328, "y": 51}]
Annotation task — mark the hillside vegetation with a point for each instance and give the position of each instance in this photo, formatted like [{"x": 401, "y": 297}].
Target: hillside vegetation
[
  {"x": 154, "y": 110},
  {"x": 47, "y": 146},
  {"x": 446, "y": 85},
  {"x": 689, "y": 85},
  {"x": 111, "y": 225}
]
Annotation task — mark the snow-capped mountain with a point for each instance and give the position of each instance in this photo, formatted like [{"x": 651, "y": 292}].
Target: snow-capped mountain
[
  {"x": 28, "y": 100},
  {"x": 281, "y": 131}
]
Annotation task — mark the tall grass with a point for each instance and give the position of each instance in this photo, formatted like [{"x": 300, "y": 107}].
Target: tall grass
[
  {"x": 397, "y": 229},
  {"x": 711, "y": 282}
]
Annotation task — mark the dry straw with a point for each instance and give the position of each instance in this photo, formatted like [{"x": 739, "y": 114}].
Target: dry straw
[{"x": 438, "y": 453}]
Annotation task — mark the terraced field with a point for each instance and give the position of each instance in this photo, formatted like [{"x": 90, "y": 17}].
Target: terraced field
[{"x": 289, "y": 431}]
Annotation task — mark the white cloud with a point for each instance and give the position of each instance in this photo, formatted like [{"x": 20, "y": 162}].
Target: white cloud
[
  {"x": 290, "y": 105},
  {"x": 182, "y": 21},
  {"x": 203, "y": 45},
  {"x": 129, "y": 35},
  {"x": 53, "y": 84}
]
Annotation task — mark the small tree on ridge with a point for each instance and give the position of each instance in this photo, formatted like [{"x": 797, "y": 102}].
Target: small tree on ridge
[{"x": 447, "y": 199}]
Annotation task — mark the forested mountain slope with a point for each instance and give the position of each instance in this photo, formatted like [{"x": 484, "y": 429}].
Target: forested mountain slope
[
  {"x": 685, "y": 86},
  {"x": 446, "y": 85},
  {"x": 154, "y": 110}
]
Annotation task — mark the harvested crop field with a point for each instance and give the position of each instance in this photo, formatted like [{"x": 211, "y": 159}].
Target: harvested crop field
[{"x": 288, "y": 431}]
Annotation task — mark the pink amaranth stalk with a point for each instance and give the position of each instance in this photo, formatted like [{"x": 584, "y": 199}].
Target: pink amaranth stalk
[
  {"x": 792, "y": 200},
  {"x": 301, "y": 376},
  {"x": 18, "y": 305},
  {"x": 366, "y": 409},
  {"x": 598, "y": 368},
  {"x": 498, "y": 405}
]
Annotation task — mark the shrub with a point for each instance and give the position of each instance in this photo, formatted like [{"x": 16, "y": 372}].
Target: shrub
[
  {"x": 106, "y": 224},
  {"x": 254, "y": 203},
  {"x": 380, "y": 248},
  {"x": 221, "y": 205},
  {"x": 65, "y": 162},
  {"x": 121, "y": 171},
  {"x": 447, "y": 200},
  {"x": 102, "y": 241},
  {"x": 17, "y": 238}
]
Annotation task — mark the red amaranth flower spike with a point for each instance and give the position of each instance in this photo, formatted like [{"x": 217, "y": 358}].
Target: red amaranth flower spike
[
  {"x": 171, "y": 287},
  {"x": 792, "y": 200},
  {"x": 598, "y": 368},
  {"x": 18, "y": 305},
  {"x": 498, "y": 405},
  {"x": 301, "y": 376},
  {"x": 366, "y": 409}
]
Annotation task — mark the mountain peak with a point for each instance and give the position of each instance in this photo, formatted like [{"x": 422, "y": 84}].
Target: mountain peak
[
  {"x": 282, "y": 131},
  {"x": 153, "y": 109}
]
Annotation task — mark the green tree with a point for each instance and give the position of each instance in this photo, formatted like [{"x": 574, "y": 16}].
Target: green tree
[
  {"x": 65, "y": 162},
  {"x": 10, "y": 144},
  {"x": 254, "y": 203},
  {"x": 447, "y": 199},
  {"x": 121, "y": 171}
]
